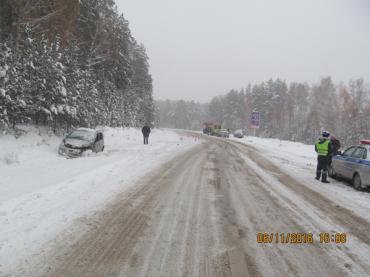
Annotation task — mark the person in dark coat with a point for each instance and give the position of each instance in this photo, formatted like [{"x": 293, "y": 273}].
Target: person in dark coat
[
  {"x": 324, "y": 150},
  {"x": 146, "y": 131},
  {"x": 335, "y": 144}
]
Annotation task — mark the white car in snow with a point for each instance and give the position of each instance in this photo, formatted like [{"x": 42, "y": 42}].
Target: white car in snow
[
  {"x": 224, "y": 133},
  {"x": 80, "y": 140},
  {"x": 238, "y": 133}
]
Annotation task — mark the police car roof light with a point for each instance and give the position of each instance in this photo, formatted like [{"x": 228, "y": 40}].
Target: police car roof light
[{"x": 365, "y": 141}]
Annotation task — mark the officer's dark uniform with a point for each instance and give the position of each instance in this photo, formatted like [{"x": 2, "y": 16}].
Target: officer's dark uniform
[
  {"x": 323, "y": 148},
  {"x": 146, "y": 131}
]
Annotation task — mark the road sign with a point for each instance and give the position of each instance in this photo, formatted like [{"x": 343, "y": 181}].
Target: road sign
[{"x": 255, "y": 120}]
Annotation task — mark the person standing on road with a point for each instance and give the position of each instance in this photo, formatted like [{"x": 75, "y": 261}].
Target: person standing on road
[
  {"x": 335, "y": 144},
  {"x": 323, "y": 148},
  {"x": 146, "y": 131}
]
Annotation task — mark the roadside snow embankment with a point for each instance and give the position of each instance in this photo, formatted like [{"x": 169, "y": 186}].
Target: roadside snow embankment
[
  {"x": 42, "y": 193},
  {"x": 299, "y": 160}
]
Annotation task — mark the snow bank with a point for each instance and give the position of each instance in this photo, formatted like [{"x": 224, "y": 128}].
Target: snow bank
[{"x": 41, "y": 193}]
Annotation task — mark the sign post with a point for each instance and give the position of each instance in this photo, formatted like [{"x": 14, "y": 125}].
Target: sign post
[{"x": 255, "y": 121}]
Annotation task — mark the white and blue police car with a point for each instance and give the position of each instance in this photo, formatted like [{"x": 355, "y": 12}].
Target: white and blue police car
[{"x": 353, "y": 164}]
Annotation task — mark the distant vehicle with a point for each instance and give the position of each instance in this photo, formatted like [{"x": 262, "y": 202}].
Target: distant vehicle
[
  {"x": 80, "y": 140},
  {"x": 215, "y": 130},
  {"x": 238, "y": 133},
  {"x": 207, "y": 129},
  {"x": 212, "y": 129},
  {"x": 224, "y": 133},
  {"x": 353, "y": 164}
]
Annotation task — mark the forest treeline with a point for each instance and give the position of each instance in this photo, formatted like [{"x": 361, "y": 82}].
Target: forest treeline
[
  {"x": 70, "y": 63},
  {"x": 295, "y": 111}
]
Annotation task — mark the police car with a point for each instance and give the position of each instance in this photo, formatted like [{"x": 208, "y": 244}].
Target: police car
[{"x": 353, "y": 164}]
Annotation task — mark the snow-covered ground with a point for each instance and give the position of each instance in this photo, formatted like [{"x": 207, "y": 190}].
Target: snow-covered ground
[
  {"x": 299, "y": 160},
  {"x": 41, "y": 193}
]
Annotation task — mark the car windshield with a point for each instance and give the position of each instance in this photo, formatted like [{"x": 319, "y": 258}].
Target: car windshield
[
  {"x": 81, "y": 135},
  {"x": 349, "y": 151}
]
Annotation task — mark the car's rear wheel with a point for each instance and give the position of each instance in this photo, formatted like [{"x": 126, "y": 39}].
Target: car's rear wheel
[{"x": 357, "y": 183}]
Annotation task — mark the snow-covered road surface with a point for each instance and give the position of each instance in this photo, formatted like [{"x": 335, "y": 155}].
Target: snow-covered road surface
[
  {"x": 43, "y": 195},
  {"x": 299, "y": 160},
  {"x": 199, "y": 215}
]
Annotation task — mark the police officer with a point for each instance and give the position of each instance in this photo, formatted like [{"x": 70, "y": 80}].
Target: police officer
[{"x": 323, "y": 148}]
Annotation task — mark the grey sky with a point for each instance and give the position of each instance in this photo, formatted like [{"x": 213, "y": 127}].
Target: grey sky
[{"x": 202, "y": 48}]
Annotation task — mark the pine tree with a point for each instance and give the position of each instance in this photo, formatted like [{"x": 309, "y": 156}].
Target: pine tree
[
  {"x": 298, "y": 94},
  {"x": 4, "y": 59},
  {"x": 324, "y": 104},
  {"x": 142, "y": 86}
]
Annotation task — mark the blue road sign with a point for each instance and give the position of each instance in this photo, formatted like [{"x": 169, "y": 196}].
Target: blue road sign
[{"x": 255, "y": 120}]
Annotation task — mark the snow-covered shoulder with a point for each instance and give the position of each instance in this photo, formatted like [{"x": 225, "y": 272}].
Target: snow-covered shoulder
[{"x": 41, "y": 193}]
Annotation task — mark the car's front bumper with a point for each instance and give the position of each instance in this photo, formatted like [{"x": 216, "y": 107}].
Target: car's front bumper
[{"x": 69, "y": 152}]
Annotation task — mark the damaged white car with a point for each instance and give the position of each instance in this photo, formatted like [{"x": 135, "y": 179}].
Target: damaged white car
[{"x": 80, "y": 140}]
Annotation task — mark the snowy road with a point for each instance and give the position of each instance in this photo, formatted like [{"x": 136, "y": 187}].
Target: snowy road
[
  {"x": 43, "y": 195},
  {"x": 199, "y": 215}
]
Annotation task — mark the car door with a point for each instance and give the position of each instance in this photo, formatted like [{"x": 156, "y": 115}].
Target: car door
[
  {"x": 358, "y": 161},
  {"x": 353, "y": 162},
  {"x": 96, "y": 147},
  {"x": 101, "y": 141},
  {"x": 340, "y": 162},
  {"x": 365, "y": 168}
]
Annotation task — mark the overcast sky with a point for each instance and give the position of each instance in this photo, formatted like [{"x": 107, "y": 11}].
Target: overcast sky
[{"x": 202, "y": 48}]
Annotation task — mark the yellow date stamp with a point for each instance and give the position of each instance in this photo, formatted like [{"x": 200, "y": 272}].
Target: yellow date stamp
[{"x": 301, "y": 238}]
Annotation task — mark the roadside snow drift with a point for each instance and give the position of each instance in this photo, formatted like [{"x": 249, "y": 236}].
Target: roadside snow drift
[{"x": 42, "y": 193}]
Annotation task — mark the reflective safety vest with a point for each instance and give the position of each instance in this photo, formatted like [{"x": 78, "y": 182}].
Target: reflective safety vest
[{"x": 323, "y": 148}]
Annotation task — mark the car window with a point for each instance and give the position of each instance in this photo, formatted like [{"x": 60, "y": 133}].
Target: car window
[
  {"x": 82, "y": 135},
  {"x": 358, "y": 153},
  {"x": 349, "y": 151}
]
